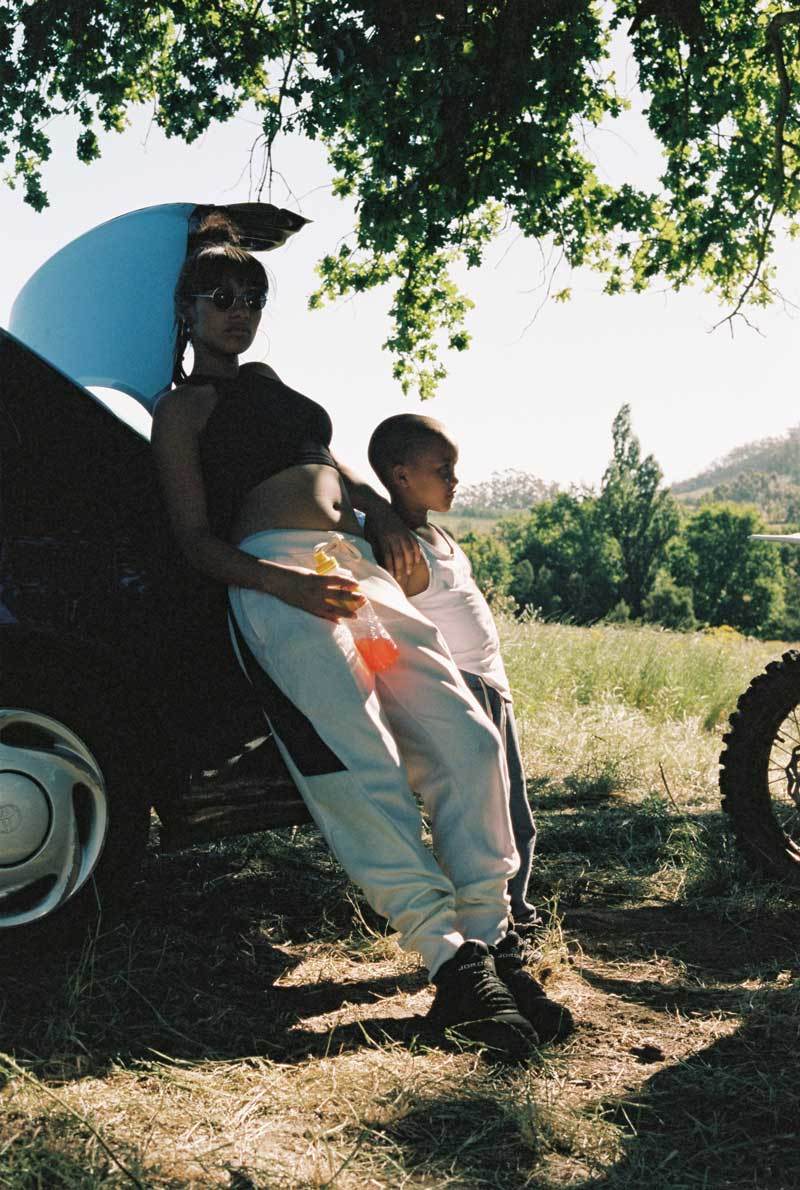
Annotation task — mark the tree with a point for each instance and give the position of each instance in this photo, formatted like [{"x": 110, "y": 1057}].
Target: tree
[
  {"x": 445, "y": 120},
  {"x": 639, "y": 515},
  {"x": 506, "y": 491},
  {"x": 733, "y": 580},
  {"x": 490, "y": 561},
  {"x": 789, "y": 626},
  {"x": 522, "y": 587},
  {"x": 574, "y": 570},
  {"x": 775, "y": 496},
  {"x": 669, "y": 604}
]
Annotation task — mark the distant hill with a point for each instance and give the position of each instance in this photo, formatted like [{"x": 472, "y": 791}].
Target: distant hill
[
  {"x": 506, "y": 491},
  {"x": 780, "y": 456},
  {"x": 765, "y": 473}
]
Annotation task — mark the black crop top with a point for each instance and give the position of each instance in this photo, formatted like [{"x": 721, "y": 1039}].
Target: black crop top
[{"x": 257, "y": 428}]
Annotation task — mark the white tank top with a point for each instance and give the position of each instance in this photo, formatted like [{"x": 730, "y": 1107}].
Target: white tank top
[{"x": 453, "y": 602}]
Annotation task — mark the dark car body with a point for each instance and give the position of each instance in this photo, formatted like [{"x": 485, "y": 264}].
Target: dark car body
[{"x": 94, "y": 600}]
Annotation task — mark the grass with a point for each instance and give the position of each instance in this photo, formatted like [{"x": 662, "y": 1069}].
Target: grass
[
  {"x": 668, "y": 676},
  {"x": 251, "y": 1024},
  {"x": 459, "y": 523}
]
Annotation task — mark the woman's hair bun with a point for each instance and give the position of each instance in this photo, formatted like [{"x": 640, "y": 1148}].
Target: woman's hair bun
[{"x": 216, "y": 227}]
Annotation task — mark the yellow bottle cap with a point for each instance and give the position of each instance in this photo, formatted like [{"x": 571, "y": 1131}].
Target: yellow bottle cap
[{"x": 323, "y": 562}]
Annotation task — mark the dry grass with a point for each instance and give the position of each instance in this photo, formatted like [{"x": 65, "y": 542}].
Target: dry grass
[{"x": 250, "y": 1023}]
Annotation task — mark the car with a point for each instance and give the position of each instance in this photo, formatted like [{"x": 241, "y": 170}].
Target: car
[{"x": 122, "y": 694}]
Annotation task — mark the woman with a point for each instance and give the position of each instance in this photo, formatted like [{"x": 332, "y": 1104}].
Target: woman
[{"x": 251, "y": 488}]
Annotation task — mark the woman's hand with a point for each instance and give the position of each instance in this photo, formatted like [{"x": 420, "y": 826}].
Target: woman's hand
[
  {"x": 395, "y": 546},
  {"x": 329, "y": 596}
]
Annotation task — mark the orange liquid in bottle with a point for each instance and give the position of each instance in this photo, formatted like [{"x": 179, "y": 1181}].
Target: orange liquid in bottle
[{"x": 378, "y": 652}]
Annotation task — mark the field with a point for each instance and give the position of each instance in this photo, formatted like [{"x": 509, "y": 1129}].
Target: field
[
  {"x": 459, "y": 524},
  {"x": 251, "y": 1025}
]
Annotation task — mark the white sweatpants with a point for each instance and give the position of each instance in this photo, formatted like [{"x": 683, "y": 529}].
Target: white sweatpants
[{"x": 413, "y": 725}]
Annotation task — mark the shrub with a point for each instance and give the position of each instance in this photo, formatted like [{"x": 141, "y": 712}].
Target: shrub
[{"x": 670, "y": 605}]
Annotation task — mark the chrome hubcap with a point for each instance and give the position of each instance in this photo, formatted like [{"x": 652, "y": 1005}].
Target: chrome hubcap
[
  {"x": 24, "y": 818},
  {"x": 53, "y": 815}
]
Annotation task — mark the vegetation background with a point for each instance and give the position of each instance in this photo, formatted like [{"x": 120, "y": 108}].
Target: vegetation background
[{"x": 635, "y": 550}]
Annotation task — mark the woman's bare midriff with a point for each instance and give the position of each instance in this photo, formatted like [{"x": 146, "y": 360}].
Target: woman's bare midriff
[{"x": 311, "y": 496}]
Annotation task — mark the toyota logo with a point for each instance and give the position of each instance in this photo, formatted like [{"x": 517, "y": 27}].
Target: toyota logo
[{"x": 10, "y": 819}]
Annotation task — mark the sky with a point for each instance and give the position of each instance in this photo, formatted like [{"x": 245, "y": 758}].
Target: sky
[{"x": 542, "y": 381}]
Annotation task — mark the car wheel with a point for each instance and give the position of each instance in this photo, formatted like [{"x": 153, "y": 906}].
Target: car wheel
[
  {"x": 760, "y": 771},
  {"x": 73, "y": 815}
]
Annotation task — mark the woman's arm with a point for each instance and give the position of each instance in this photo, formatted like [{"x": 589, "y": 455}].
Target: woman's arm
[
  {"x": 395, "y": 545},
  {"x": 175, "y": 445}
]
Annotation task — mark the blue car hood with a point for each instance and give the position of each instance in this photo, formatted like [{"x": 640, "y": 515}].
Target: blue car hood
[{"x": 101, "y": 308}]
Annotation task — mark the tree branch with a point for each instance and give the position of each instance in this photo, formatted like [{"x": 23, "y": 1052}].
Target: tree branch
[
  {"x": 755, "y": 275},
  {"x": 277, "y": 124},
  {"x": 774, "y": 30}
]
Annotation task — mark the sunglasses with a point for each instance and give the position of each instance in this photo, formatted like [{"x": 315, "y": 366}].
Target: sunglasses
[{"x": 224, "y": 298}]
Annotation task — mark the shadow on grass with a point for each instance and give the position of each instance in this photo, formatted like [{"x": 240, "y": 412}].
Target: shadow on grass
[
  {"x": 191, "y": 969},
  {"x": 467, "y": 1139},
  {"x": 575, "y": 790},
  {"x": 726, "y": 1117},
  {"x": 741, "y": 942},
  {"x": 599, "y": 846},
  {"x": 194, "y": 972},
  {"x": 56, "y": 1151}
]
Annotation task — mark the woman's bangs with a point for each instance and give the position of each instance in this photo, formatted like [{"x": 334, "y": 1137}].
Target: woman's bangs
[{"x": 218, "y": 265}]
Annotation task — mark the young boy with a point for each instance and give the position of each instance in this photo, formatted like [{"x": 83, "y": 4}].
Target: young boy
[{"x": 415, "y": 458}]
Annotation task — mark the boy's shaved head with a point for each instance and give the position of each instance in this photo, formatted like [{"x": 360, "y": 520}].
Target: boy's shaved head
[{"x": 399, "y": 439}]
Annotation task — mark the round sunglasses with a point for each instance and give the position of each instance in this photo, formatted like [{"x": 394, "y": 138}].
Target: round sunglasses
[{"x": 224, "y": 298}]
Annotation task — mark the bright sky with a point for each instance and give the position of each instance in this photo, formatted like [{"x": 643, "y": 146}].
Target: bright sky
[{"x": 534, "y": 393}]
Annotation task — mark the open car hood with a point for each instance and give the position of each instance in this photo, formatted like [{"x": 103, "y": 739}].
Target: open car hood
[{"x": 101, "y": 309}]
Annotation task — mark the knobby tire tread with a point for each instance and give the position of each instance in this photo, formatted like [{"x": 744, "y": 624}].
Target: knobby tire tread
[{"x": 744, "y": 770}]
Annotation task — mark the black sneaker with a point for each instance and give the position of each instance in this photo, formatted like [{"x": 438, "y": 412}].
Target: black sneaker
[
  {"x": 529, "y": 928},
  {"x": 475, "y": 1004},
  {"x": 553, "y": 1022}
]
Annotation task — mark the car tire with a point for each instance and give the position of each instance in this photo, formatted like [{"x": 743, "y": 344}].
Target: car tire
[
  {"x": 760, "y": 771},
  {"x": 76, "y": 797}
]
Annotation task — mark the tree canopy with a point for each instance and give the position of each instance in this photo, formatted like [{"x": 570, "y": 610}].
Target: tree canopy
[
  {"x": 446, "y": 119},
  {"x": 507, "y": 491},
  {"x": 573, "y": 568},
  {"x": 733, "y": 580},
  {"x": 638, "y": 512}
]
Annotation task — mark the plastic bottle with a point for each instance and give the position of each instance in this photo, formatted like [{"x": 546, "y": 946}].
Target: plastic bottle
[{"x": 373, "y": 642}]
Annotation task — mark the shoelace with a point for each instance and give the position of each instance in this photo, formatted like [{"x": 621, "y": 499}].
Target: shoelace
[{"x": 489, "y": 990}]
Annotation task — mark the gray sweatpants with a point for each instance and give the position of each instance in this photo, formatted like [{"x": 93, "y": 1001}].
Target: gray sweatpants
[
  {"x": 501, "y": 713},
  {"x": 413, "y": 725}
]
